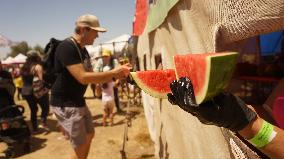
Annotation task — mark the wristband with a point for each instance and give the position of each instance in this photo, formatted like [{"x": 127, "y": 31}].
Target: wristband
[{"x": 264, "y": 135}]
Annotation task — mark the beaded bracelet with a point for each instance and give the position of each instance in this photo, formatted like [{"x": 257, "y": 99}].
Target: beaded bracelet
[{"x": 264, "y": 135}]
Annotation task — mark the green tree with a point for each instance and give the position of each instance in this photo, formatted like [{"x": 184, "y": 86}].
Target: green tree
[
  {"x": 21, "y": 47},
  {"x": 39, "y": 49}
]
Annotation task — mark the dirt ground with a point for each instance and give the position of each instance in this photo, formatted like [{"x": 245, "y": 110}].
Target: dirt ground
[{"x": 108, "y": 141}]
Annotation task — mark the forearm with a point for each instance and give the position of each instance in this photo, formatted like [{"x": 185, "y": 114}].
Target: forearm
[
  {"x": 97, "y": 77},
  {"x": 273, "y": 149},
  {"x": 85, "y": 77},
  {"x": 39, "y": 71},
  {"x": 40, "y": 75}
]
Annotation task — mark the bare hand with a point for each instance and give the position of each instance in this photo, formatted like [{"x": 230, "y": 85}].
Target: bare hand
[{"x": 122, "y": 71}]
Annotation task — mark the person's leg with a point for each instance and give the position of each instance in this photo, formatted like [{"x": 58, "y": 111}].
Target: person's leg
[
  {"x": 116, "y": 99},
  {"x": 83, "y": 150},
  {"x": 105, "y": 117},
  {"x": 71, "y": 119},
  {"x": 33, "y": 108},
  {"x": 77, "y": 123},
  {"x": 89, "y": 129},
  {"x": 111, "y": 107},
  {"x": 18, "y": 93},
  {"x": 44, "y": 104},
  {"x": 111, "y": 117},
  {"x": 105, "y": 112},
  {"x": 89, "y": 139}
]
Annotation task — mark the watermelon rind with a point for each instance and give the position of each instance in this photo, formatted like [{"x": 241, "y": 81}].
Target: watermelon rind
[
  {"x": 220, "y": 68},
  {"x": 218, "y": 80}
]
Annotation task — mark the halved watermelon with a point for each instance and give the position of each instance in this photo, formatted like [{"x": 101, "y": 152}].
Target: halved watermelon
[
  {"x": 155, "y": 82},
  {"x": 210, "y": 73}
]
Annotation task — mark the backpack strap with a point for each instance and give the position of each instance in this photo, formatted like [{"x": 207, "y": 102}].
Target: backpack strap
[
  {"x": 87, "y": 67},
  {"x": 78, "y": 50}
]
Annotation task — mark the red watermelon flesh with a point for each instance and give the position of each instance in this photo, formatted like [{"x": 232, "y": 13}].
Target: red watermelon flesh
[
  {"x": 154, "y": 82},
  {"x": 210, "y": 73},
  {"x": 191, "y": 66}
]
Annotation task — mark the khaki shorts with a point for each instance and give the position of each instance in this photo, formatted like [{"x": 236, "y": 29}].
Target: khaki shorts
[{"x": 76, "y": 121}]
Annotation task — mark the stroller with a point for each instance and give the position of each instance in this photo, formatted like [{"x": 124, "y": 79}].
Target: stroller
[{"x": 14, "y": 130}]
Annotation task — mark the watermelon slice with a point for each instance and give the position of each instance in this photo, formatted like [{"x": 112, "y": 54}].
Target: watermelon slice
[
  {"x": 210, "y": 73},
  {"x": 155, "y": 82}
]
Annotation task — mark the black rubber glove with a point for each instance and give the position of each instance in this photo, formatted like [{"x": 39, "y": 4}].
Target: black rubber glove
[
  {"x": 130, "y": 80},
  {"x": 224, "y": 110}
]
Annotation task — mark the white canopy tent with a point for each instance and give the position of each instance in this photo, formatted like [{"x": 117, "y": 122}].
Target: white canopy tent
[
  {"x": 8, "y": 60},
  {"x": 116, "y": 45},
  {"x": 94, "y": 51},
  {"x": 20, "y": 58}
]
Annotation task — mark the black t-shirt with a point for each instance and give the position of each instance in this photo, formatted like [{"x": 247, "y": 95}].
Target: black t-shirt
[{"x": 67, "y": 91}]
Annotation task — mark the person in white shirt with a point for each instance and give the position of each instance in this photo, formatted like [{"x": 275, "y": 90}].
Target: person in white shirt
[
  {"x": 107, "y": 59},
  {"x": 108, "y": 99}
]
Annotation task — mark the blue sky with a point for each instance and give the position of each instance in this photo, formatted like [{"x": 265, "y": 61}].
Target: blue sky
[{"x": 36, "y": 21}]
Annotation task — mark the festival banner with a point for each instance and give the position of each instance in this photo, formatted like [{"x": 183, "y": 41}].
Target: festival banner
[
  {"x": 140, "y": 17},
  {"x": 158, "y": 12}
]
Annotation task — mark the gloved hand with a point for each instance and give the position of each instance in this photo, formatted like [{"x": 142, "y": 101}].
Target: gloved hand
[
  {"x": 130, "y": 80},
  {"x": 224, "y": 110}
]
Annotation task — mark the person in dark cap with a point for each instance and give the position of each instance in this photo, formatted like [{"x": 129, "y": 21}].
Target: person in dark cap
[{"x": 72, "y": 61}]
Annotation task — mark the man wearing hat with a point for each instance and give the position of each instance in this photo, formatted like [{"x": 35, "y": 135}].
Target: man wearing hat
[{"x": 72, "y": 63}]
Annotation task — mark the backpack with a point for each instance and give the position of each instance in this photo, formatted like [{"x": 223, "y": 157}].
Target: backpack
[{"x": 48, "y": 62}]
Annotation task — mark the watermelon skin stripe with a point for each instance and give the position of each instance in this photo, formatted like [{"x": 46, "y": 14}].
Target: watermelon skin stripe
[{"x": 218, "y": 81}]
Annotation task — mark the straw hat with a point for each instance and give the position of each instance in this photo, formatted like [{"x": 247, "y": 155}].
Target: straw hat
[{"x": 106, "y": 52}]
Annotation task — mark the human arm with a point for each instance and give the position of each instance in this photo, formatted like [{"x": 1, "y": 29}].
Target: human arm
[
  {"x": 275, "y": 148},
  {"x": 68, "y": 57},
  {"x": 228, "y": 111},
  {"x": 84, "y": 77},
  {"x": 39, "y": 71}
]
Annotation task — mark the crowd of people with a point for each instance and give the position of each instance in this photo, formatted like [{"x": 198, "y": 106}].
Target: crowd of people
[
  {"x": 75, "y": 73},
  {"x": 66, "y": 97},
  {"x": 23, "y": 78}
]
